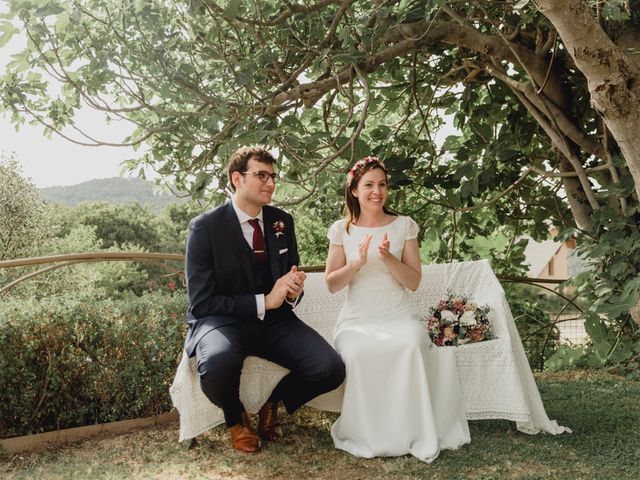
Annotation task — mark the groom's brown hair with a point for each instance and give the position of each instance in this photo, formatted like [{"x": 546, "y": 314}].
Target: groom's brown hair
[{"x": 239, "y": 159}]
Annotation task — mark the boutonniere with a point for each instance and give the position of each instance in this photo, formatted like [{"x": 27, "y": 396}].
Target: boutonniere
[{"x": 278, "y": 227}]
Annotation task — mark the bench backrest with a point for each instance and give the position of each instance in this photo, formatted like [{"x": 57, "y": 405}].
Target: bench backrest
[{"x": 475, "y": 279}]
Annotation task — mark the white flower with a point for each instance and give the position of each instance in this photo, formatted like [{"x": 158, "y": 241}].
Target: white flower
[
  {"x": 448, "y": 315},
  {"x": 468, "y": 318}
]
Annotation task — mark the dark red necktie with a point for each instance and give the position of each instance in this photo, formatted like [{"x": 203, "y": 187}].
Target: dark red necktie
[{"x": 258, "y": 240}]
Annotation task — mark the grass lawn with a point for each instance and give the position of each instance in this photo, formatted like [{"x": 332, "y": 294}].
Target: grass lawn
[{"x": 602, "y": 410}]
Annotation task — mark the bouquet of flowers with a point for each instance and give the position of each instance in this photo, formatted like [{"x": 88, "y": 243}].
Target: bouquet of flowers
[{"x": 457, "y": 320}]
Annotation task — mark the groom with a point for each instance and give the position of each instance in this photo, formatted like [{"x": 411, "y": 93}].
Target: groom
[{"x": 243, "y": 281}]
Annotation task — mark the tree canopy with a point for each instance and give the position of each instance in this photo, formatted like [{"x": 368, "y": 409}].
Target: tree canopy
[{"x": 329, "y": 81}]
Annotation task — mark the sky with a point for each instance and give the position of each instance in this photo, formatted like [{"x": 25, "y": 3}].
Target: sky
[{"x": 56, "y": 161}]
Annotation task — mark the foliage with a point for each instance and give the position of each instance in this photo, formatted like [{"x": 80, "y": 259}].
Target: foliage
[
  {"x": 311, "y": 234},
  {"x": 538, "y": 333},
  {"x": 611, "y": 288},
  {"x": 118, "y": 225},
  {"x": 101, "y": 280},
  {"x": 127, "y": 227},
  {"x": 78, "y": 361},
  {"x": 173, "y": 224},
  {"x": 82, "y": 277},
  {"x": 314, "y": 216},
  {"x": 22, "y": 222},
  {"x": 565, "y": 357}
]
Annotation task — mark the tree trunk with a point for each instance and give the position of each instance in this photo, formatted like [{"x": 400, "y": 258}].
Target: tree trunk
[
  {"x": 578, "y": 203},
  {"x": 613, "y": 78}
]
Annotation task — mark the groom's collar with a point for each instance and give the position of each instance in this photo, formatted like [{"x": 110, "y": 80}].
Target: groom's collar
[{"x": 242, "y": 215}]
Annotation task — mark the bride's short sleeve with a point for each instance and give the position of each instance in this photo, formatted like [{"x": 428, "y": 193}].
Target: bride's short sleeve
[
  {"x": 335, "y": 232},
  {"x": 412, "y": 229}
]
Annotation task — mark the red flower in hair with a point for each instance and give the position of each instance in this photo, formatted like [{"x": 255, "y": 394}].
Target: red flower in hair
[{"x": 360, "y": 164}]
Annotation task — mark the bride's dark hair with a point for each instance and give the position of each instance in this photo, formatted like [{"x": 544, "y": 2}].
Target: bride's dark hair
[{"x": 352, "y": 206}]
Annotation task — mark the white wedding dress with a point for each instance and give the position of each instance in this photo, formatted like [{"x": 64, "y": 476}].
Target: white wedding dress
[{"x": 402, "y": 394}]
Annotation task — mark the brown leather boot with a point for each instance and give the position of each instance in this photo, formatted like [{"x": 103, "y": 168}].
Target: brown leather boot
[
  {"x": 243, "y": 437},
  {"x": 268, "y": 426}
]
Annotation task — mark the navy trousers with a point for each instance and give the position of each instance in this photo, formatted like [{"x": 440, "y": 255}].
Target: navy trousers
[{"x": 315, "y": 367}]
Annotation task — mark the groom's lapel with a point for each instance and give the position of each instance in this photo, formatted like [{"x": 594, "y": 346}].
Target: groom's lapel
[{"x": 234, "y": 236}]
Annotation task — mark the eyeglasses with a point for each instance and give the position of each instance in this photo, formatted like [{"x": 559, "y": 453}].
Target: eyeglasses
[{"x": 263, "y": 175}]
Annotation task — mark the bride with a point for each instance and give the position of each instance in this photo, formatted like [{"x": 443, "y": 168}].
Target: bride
[{"x": 402, "y": 394}]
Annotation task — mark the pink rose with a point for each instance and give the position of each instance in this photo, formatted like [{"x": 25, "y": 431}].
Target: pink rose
[
  {"x": 449, "y": 334},
  {"x": 476, "y": 334}
]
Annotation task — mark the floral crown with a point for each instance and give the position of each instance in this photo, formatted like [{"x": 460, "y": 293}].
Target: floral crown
[{"x": 360, "y": 164}]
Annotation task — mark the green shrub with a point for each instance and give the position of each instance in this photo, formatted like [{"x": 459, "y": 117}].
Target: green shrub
[
  {"x": 70, "y": 360},
  {"x": 540, "y": 337}
]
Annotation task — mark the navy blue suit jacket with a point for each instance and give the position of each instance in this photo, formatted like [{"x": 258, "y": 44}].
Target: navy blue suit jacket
[{"x": 220, "y": 281}]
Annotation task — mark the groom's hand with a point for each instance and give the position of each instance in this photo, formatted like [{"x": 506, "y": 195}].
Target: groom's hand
[
  {"x": 288, "y": 286},
  {"x": 276, "y": 296},
  {"x": 296, "y": 280}
]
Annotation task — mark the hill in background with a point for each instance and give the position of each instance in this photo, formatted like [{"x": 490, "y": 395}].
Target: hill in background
[{"x": 111, "y": 190}]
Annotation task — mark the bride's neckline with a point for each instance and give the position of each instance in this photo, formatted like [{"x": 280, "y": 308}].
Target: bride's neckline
[{"x": 381, "y": 226}]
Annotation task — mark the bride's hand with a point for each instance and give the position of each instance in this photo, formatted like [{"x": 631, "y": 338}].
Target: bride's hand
[
  {"x": 362, "y": 252},
  {"x": 383, "y": 248}
]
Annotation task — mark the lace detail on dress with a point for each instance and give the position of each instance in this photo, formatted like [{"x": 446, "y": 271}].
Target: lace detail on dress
[
  {"x": 411, "y": 229},
  {"x": 335, "y": 232}
]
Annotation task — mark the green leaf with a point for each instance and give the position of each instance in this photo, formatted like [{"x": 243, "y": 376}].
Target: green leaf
[
  {"x": 594, "y": 360},
  {"x": 194, "y": 6},
  {"x": 615, "y": 10},
  {"x": 19, "y": 63},
  {"x": 483, "y": 246},
  {"x": 484, "y": 131},
  {"x": 466, "y": 189},
  {"x": 233, "y": 9},
  {"x": 464, "y": 171},
  {"x": 7, "y": 31},
  {"x": 451, "y": 142},
  {"x": 621, "y": 353},
  {"x": 596, "y": 329},
  {"x": 351, "y": 58},
  {"x": 200, "y": 183},
  {"x": 565, "y": 357},
  {"x": 62, "y": 23},
  {"x": 48, "y": 10},
  {"x": 454, "y": 198}
]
